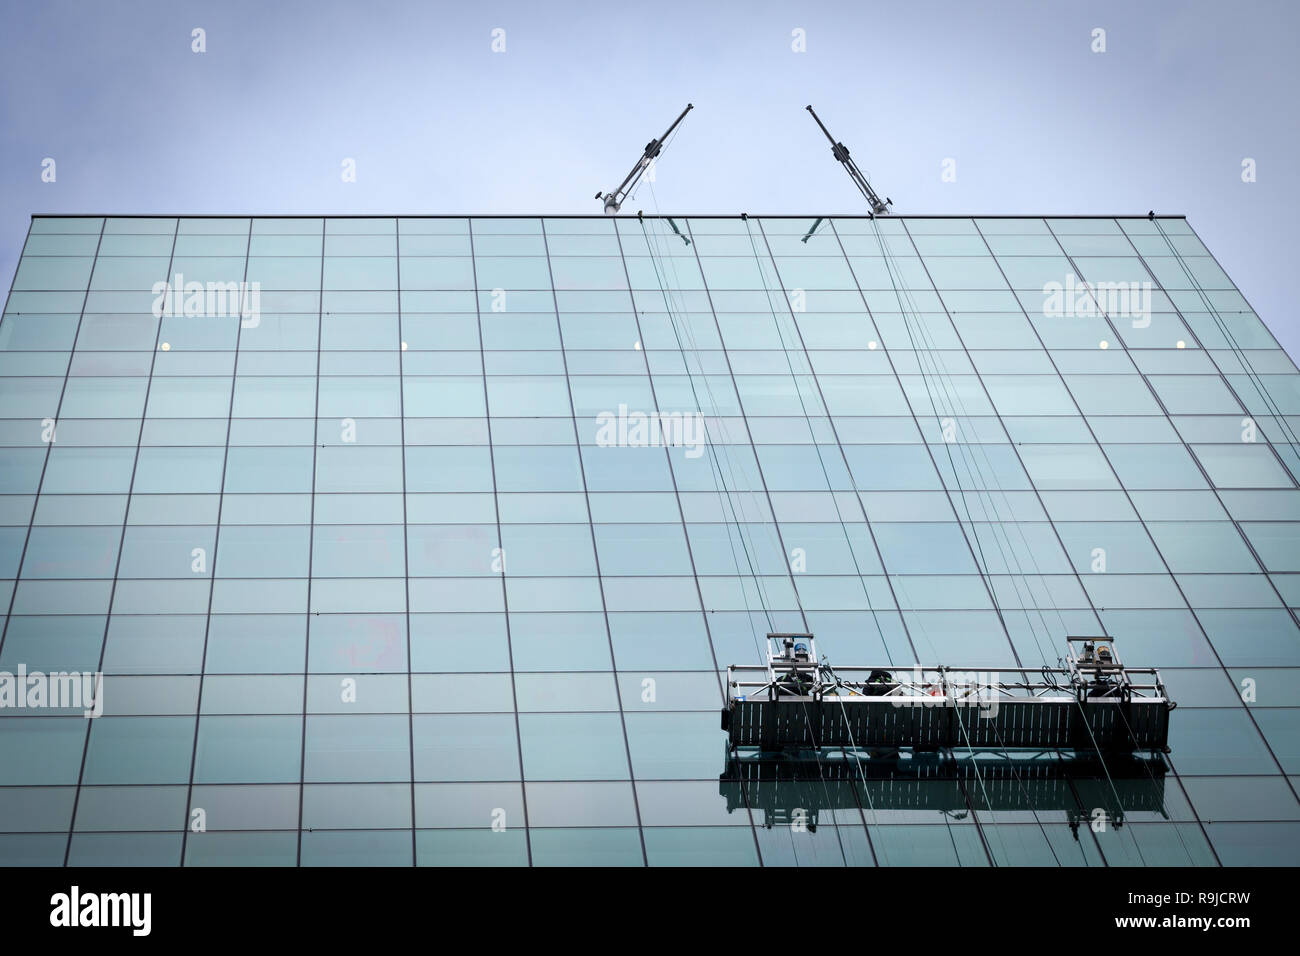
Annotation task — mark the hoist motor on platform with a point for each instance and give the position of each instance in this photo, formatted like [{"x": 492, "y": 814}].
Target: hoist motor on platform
[{"x": 1090, "y": 702}]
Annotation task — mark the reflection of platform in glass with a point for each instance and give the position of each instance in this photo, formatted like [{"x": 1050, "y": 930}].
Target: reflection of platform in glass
[
  {"x": 779, "y": 787},
  {"x": 1091, "y": 703}
]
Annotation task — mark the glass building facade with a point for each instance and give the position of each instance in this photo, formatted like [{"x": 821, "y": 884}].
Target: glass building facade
[{"x": 435, "y": 547}]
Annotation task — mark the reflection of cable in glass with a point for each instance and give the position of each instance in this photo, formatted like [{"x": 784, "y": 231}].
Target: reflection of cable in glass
[
  {"x": 1239, "y": 353},
  {"x": 715, "y": 462},
  {"x": 812, "y": 435},
  {"x": 915, "y": 327}
]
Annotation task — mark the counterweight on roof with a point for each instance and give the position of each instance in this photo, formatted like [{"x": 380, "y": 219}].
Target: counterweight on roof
[
  {"x": 1092, "y": 703},
  {"x": 841, "y": 152},
  {"x": 614, "y": 198}
]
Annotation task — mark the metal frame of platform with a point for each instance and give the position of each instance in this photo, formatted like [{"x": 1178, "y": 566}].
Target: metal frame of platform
[{"x": 1091, "y": 702}]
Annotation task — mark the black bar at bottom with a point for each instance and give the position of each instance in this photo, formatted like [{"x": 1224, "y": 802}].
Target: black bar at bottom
[{"x": 211, "y": 906}]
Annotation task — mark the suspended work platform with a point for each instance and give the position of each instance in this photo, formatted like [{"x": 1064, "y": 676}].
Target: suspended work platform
[{"x": 1092, "y": 702}]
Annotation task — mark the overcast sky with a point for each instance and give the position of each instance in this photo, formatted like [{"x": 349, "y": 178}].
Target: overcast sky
[{"x": 438, "y": 122}]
